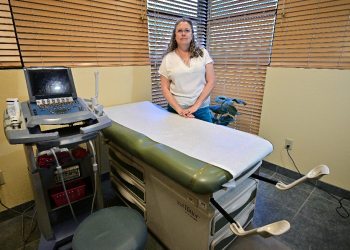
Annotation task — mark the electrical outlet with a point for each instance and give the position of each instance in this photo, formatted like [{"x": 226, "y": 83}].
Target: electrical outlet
[
  {"x": 2, "y": 181},
  {"x": 289, "y": 142}
]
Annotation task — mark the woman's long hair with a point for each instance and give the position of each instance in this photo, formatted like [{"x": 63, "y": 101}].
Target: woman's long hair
[{"x": 195, "y": 50}]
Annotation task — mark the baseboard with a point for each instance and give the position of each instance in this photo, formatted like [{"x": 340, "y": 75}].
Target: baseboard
[
  {"x": 337, "y": 191},
  {"x": 9, "y": 214}
]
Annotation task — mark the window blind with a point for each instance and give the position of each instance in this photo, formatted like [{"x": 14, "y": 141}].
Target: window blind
[
  {"x": 240, "y": 35},
  {"x": 79, "y": 33},
  {"x": 9, "y": 53},
  {"x": 312, "y": 34},
  {"x": 162, "y": 15}
]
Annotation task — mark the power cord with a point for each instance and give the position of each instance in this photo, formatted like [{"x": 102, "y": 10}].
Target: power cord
[
  {"x": 95, "y": 168},
  {"x": 31, "y": 227},
  {"x": 59, "y": 170},
  {"x": 339, "y": 200},
  {"x": 23, "y": 215}
]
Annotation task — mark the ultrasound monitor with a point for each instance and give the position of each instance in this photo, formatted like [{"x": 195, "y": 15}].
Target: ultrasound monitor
[{"x": 49, "y": 82}]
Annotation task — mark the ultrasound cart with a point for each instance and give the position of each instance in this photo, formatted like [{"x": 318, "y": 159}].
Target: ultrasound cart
[{"x": 57, "y": 130}]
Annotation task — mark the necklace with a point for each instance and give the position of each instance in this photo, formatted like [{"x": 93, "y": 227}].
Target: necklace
[{"x": 186, "y": 60}]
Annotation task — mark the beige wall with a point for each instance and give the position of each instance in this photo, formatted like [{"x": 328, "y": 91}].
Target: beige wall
[
  {"x": 312, "y": 107},
  {"x": 117, "y": 85}
]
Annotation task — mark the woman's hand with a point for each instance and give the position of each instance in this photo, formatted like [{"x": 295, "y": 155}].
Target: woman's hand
[
  {"x": 189, "y": 112},
  {"x": 186, "y": 113}
]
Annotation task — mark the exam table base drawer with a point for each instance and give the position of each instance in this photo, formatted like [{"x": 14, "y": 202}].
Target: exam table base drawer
[
  {"x": 132, "y": 185},
  {"x": 125, "y": 160},
  {"x": 128, "y": 198}
]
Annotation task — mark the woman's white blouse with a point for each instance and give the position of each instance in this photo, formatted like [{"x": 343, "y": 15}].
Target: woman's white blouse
[{"x": 186, "y": 82}]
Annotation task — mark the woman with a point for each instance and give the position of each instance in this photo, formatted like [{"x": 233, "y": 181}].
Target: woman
[{"x": 187, "y": 74}]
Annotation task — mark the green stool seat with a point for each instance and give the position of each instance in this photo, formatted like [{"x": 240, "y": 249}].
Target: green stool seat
[{"x": 114, "y": 228}]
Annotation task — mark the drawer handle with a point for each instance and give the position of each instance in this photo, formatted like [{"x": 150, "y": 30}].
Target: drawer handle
[
  {"x": 122, "y": 157},
  {"x": 128, "y": 179},
  {"x": 128, "y": 196}
]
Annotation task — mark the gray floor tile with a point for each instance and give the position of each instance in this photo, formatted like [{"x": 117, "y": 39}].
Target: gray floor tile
[
  {"x": 323, "y": 212},
  {"x": 323, "y": 194},
  {"x": 256, "y": 242},
  {"x": 289, "y": 173},
  {"x": 265, "y": 172},
  {"x": 153, "y": 243},
  {"x": 269, "y": 166},
  {"x": 267, "y": 211},
  {"x": 334, "y": 189},
  {"x": 306, "y": 234},
  {"x": 293, "y": 198},
  {"x": 109, "y": 196},
  {"x": 32, "y": 246},
  {"x": 9, "y": 214},
  {"x": 11, "y": 233}
]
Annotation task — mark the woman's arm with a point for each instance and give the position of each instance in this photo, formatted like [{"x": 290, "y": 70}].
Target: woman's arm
[
  {"x": 165, "y": 85},
  {"x": 210, "y": 79}
]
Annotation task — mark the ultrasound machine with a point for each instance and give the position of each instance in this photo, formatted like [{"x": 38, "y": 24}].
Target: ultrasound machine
[{"x": 58, "y": 130}]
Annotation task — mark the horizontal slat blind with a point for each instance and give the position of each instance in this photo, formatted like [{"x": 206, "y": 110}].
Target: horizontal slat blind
[
  {"x": 9, "y": 53},
  {"x": 80, "y": 33},
  {"x": 312, "y": 34},
  {"x": 162, "y": 16},
  {"x": 230, "y": 8},
  {"x": 240, "y": 45}
]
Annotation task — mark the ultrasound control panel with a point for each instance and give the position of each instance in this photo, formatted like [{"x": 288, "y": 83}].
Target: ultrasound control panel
[{"x": 56, "y": 106}]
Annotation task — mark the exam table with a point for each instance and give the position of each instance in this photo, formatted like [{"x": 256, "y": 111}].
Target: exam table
[{"x": 171, "y": 189}]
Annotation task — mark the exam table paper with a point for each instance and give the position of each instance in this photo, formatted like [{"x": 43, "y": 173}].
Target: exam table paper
[{"x": 227, "y": 148}]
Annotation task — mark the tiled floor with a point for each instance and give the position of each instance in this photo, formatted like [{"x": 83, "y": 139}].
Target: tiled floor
[{"x": 315, "y": 224}]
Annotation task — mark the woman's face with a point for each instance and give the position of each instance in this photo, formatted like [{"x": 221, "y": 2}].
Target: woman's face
[{"x": 183, "y": 33}]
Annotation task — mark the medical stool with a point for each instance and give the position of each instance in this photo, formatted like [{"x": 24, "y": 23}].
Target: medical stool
[{"x": 113, "y": 228}]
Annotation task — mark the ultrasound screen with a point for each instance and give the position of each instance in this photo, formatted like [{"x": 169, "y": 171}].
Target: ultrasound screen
[{"x": 50, "y": 83}]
